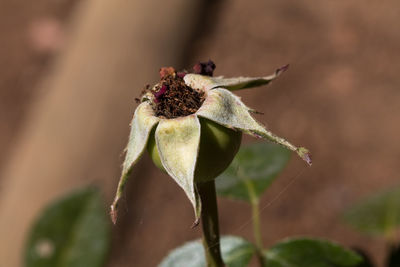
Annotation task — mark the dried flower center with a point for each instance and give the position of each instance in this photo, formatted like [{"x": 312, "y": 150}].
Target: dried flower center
[{"x": 173, "y": 98}]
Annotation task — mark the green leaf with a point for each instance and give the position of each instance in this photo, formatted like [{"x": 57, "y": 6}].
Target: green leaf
[
  {"x": 71, "y": 232},
  {"x": 305, "y": 252},
  {"x": 236, "y": 252},
  {"x": 252, "y": 171},
  {"x": 377, "y": 215}
]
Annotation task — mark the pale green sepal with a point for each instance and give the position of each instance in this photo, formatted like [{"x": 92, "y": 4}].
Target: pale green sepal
[
  {"x": 178, "y": 145},
  {"x": 206, "y": 83},
  {"x": 199, "y": 82},
  {"x": 142, "y": 123},
  {"x": 233, "y": 84},
  {"x": 227, "y": 109}
]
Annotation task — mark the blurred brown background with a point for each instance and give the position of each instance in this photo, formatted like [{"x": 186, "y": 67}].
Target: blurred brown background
[{"x": 70, "y": 70}]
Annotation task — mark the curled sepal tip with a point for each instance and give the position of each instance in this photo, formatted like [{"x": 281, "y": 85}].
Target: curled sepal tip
[
  {"x": 142, "y": 123},
  {"x": 178, "y": 142},
  {"x": 305, "y": 155},
  {"x": 113, "y": 213},
  {"x": 281, "y": 70},
  {"x": 302, "y": 152},
  {"x": 195, "y": 223}
]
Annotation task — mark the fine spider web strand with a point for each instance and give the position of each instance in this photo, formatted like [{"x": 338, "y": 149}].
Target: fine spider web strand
[
  {"x": 269, "y": 203},
  {"x": 291, "y": 182},
  {"x": 263, "y": 207}
]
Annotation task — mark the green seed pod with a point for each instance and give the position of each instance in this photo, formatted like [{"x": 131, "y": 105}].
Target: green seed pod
[
  {"x": 192, "y": 126},
  {"x": 218, "y": 147}
]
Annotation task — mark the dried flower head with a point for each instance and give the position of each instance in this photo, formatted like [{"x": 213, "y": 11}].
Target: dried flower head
[{"x": 191, "y": 124}]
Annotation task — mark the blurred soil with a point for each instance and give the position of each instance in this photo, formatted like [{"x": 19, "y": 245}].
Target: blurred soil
[{"x": 340, "y": 98}]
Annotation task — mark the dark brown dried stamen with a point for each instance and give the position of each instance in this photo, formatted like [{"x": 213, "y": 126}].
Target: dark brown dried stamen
[{"x": 173, "y": 98}]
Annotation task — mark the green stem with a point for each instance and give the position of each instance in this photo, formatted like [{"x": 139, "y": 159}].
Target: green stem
[
  {"x": 209, "y": 221},
  {"x": 255, "y": 208},
  {"x": 257, "y": 229},
  {"x": 256, "y": 224}
]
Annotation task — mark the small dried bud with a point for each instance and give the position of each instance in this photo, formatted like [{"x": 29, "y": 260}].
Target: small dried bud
[
  {"x": 204, "y": 68},
  {"x": 165, "y": 71}
]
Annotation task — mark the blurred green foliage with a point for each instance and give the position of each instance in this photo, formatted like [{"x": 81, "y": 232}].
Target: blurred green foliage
[
  {"x": 252, "y": 171},
  {"x": 71, "y": 232},
  {"x": 306, "y": 252},
  {"x": 378, "y": 214},
  {"x": 236, "y": 252}
]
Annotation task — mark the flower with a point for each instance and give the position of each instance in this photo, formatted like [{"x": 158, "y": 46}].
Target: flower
[{"x": 179, "y": 117}]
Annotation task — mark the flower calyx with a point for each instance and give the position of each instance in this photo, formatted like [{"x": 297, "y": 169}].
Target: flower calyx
[{"x": 192, "y": 123}]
